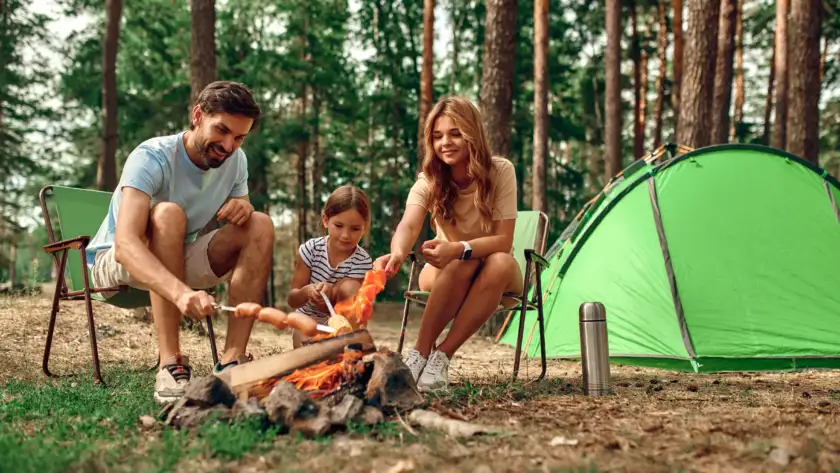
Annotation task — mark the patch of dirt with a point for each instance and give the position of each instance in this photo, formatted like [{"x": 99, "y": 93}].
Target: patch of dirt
[{"x": 656, "y": 421}]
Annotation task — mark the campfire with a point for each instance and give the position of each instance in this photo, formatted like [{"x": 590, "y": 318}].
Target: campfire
[{"x": 338, "y": 378}]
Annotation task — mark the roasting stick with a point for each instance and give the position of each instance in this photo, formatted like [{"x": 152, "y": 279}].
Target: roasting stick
[
  {"x": 329, "y": 304},
  {"x": 321, "y": 328}
]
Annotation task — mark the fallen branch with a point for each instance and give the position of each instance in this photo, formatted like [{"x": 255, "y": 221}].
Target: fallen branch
[{"x": 451, "y": 427}]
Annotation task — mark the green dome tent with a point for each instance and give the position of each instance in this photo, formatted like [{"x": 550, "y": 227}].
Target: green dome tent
[{"x": 725, "y": 258}]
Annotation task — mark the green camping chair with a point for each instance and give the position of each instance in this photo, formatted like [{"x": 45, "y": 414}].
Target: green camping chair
[
  {"x": 528, "y": 246},
  {"x": 79, "y": 213}
]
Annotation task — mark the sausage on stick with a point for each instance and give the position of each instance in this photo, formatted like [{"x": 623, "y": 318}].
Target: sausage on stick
[{"x": 278, "y": 318}]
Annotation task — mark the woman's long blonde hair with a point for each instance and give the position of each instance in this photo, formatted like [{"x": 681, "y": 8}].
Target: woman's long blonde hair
[{"x": 443, "y": 190}]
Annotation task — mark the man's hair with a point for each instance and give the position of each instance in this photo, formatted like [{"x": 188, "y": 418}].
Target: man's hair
[{"x": 229, "y": 97}]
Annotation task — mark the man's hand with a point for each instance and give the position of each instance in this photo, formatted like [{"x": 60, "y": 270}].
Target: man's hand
[
  {"x": 391, "y": 263},
  {"x": 439, "y": 253},
  {"x": 195, "y": 304},
  {"x": 236, "y": 211}
]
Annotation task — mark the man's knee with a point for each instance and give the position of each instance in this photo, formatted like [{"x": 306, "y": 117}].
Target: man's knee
[
  {"x": 260, "y": 229},
  {"x": 167, "y": 221}
]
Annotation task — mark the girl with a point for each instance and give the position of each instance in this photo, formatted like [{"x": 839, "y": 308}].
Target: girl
[
  {"x": 472, "y": 200},
  {"x": 334, "y": 264}
]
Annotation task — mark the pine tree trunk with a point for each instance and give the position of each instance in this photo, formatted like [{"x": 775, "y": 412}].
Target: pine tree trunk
[
  {"x": 106, "y": 170},
  {"x": 12, "y": 265},
  {"x": 679, "y": 43},
  {"x": 458, "y": 16},
  {"x": 768, "y": 102},
  {"x": 803, "y": 116},
  {"x": 722, "y": 99},
  {"x": 781, "y": 63},
  {"x": 635, "y": 54},
  {"x": 612, "y": 98},
  {"x": 540, "y": 104},
  {"x": 202, "y": 46},
  {"x": 738, "y": 113},
  {"x": 699, "y": 75},
  {"x": 303, "y": 153},
  {"x": 426, "y": 77},
  {"x": 496, "y": 101},
  {"x": 317, "y": 161},
  {"x": 662, "y": 52}
]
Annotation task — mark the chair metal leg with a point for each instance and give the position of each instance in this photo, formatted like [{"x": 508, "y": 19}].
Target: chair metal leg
[
  {"x": 522, "y": 312},
  {"x": 542, "y": 326},
  {"x": 59, "y": 283},
  {"x": 212, "y": 338},
  {"x": 407, "y": 305},
  {"x": 91, "y": 325}
]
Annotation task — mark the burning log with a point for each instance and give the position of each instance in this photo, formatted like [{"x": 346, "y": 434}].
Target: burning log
[
  {"x": 258, "y": 377},
  {"x": 391, "y": 384}
]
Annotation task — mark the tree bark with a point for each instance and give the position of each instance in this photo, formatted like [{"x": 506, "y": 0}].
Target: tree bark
[
  {"x": 722, "y": 99},
  {"x": 540, "y": 104},
  {"x": 303, "y": 153},
  {"x": 458, "y": 17},
  {"x": 803, "y": 116},
  {"x": 635, "y": 56},
  {"x": 662, "y": 52},
  {"x": 738, "y": 112},
  {"x": 699, "y": 75},
  {"x": 768, "y": 102},
  {"x": 612, "y": 97},
  {"x": 426, "y": 76},
  {"x": 780, "y": 64},
  {"x": 677, "y": 7},
  {"x": 497, "y": 80},
  {"x": 202, "y": 46},
  {"x": 106, "y": 169},
  {"x": 317, "y": 160}
]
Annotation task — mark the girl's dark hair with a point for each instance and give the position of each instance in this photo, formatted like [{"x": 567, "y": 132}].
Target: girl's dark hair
[
  {"x": 345, "y": 198},
  {"x": 229, "y": 97}
]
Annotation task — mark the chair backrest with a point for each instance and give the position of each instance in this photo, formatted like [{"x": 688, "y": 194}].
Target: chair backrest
[
  {"x": 530, "y": 234},
  {"x": 78, "y": 212}
]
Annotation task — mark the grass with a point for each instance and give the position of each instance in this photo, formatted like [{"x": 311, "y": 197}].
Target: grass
[
  {"x": 70, "y": 424},
  {"x": 73, "y": 424}
]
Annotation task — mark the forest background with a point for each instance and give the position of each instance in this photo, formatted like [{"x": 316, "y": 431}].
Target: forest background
[{"x": 571, "y": 93}]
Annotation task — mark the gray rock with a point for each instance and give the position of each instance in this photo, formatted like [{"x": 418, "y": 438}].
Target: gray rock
[
  {"x": 349, "y": 407},
  {"x": 208, "y": 391}
]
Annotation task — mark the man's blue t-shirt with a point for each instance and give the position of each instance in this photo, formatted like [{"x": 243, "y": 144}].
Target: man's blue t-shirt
[{"x": 161, "y": 168}]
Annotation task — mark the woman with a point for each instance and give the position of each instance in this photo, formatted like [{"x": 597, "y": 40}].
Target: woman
[{"x": 472, "y": 200}]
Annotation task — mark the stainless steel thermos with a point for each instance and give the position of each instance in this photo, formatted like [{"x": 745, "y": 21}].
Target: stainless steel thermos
[{"x": 594, "y": 349}]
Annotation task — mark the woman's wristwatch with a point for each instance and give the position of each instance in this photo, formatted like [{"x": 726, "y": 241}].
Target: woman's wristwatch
[{"x": 467, "y": 254}]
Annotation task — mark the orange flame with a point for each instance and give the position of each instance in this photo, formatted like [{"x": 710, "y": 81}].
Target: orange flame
[
  {"x": 359, "y": 308},
  {"x": 326, "y": 376}
]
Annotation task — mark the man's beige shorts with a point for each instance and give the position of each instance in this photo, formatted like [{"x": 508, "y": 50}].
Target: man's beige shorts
[{"x": 106, "y": 272}]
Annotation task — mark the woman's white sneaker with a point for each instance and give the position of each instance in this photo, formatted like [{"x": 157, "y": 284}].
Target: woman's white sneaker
[
  {"x": 415, "y": 362},
  {"x": 436, "y": 373}
]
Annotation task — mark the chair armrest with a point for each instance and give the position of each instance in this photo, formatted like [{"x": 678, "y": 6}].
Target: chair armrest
[
  {"x": 533, "y": 256},
  {"x": 76, "y": 243}
]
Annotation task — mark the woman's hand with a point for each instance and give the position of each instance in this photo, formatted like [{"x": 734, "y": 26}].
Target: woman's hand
[
  {"x": 391, "y": 263},
  {"x": 439, "y": 253}
]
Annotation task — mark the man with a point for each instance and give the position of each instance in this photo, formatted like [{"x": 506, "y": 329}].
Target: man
[{"x": 171, "y": 187}]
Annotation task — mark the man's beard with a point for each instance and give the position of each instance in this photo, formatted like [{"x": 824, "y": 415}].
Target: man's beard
[{"x": 212, "y": 161}]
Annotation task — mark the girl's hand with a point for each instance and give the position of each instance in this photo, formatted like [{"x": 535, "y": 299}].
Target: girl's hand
[
  {"x": 315, "y": 296},
  {"x": 440, "y": 253}
]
